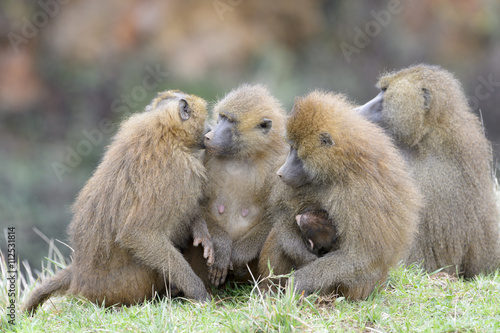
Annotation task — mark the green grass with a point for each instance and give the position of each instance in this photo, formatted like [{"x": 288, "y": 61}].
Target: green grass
[{"x": 411, "y": 300}]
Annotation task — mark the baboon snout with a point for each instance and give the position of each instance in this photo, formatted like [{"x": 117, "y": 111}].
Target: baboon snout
[{"x": 209, "y": 136}]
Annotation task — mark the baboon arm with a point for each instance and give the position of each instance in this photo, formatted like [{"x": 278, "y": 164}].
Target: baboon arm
[
  {"x": 153, "y": 249},
  {"x": 293, "y": 245},
  {"x": 248, "y": 247},
  {"x": 333, "y": 269},
  {"x": 222, "y": 244}
]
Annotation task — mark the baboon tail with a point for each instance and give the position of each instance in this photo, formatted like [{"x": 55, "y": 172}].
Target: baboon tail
[{"x": 58, "y": 283}]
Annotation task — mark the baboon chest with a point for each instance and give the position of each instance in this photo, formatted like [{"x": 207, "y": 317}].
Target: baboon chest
[{"x": 237, "y": 196}]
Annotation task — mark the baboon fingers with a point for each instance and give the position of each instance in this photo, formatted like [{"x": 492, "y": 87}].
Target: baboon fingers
[
  {"x": 211, "y": 277},
  {"x": 208, "y": 253},
  {"x": 300, "y": 288},
  {"x": 217, "y": 276},
  {"x": 220, "y": 277},
  {"x": 208, "y": 249}
]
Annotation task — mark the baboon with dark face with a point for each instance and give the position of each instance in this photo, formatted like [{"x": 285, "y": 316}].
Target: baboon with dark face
[
  {"x": 139, "y": 208},
  {"x": 426, "y": 112},
  {"x": 347, "y": 166},
  {"x": 318, "y": 231}
]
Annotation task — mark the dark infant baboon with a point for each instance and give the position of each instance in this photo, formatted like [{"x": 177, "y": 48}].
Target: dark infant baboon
[
  {"x": 426, "y": 112},
  {"x": 139, "y": 208},
  {"x": 244, "y": 151},
  {"x": 318, "y": 231},
  {"x": 349, "y": 167}
]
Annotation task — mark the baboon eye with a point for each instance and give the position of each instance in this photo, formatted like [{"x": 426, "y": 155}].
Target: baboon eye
[
  {"x": 224, "y": 117},
  {"x": 383, "y": 89},
  {"x": 184, "y": 109},
  {"x": 265, "y": 125},
  {"x": 326, "y": 139}
]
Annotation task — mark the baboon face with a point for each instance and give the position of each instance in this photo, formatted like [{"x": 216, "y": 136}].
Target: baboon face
[
  {"x": 318, "y": 139},
  {"x": 226, "y": 138},
  {"x": 249, "y": 121},
  {"x": 293, "y": 172},
  {"x": 184, "y": 113},
  {"x": 317, "y": 229}
]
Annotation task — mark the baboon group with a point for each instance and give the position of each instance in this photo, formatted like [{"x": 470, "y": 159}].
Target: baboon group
[{"x": 333, "y": 193}]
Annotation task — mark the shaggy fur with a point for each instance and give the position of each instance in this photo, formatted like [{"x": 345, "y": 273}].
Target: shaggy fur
[
  {"x": 359, "y": 178},
  {"x": 137, "y": 210}
]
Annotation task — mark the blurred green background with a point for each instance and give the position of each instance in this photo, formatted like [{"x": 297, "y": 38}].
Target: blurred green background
[{"x": 71, "y": 70}]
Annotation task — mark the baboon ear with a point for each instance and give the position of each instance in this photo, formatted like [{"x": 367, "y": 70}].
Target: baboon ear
[
  {"x": 427, "y": 99},
  {"x": 265, "y": 125},
  {"x": 326, "y": 139},
  {"x": 184, "y": 109}
]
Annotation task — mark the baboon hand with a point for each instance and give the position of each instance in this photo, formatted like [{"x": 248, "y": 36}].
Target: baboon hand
[
  {"x": 208, "y": 249},
  {"x": 217, "y": 275},
  {"x": 299, "y": 284}
]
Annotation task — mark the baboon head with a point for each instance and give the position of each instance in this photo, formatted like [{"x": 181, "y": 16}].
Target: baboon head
[
  {"x": 413, "y": 101},
  {"x": 323, "y": 148},
  {"x": 250, "y": 122},
  {"x": 183, "y": 114}
]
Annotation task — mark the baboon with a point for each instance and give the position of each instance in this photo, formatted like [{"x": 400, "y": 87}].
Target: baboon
[
  {"x": 426, "y": 112},
  {"x": 347, "y": 166},
  {"x": 138, "y": 209},
  {"x": 318, "y": 231},
  {"x": 243, "y": 153}
]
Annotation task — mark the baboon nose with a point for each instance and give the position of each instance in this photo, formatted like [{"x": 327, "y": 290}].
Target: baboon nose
[
  {"x": 209, "y": 136},
  {"x": 279, "y": 174}
]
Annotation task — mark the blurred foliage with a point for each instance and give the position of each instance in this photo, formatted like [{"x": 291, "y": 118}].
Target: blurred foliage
[{"x": 67, "y": 66}]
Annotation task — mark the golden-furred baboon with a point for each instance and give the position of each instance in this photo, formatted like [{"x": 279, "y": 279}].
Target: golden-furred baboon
[
  {"x": 318, "y": 231},
  {"x": 138, "y": 209},
  {"x": 426, "y": 112},
  {"x": 341, "y": 163},
  {"x": 243, "y": 152}
]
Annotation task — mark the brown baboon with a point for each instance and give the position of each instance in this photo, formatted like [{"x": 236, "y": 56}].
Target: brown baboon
[
  {"x": 138, "y": 209},
  {"x": 426, "y": 112},
  {"x": 347, "y": 166},
  {"x": 243, "y": 152},
  {"x": 318, "y": 231}
]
